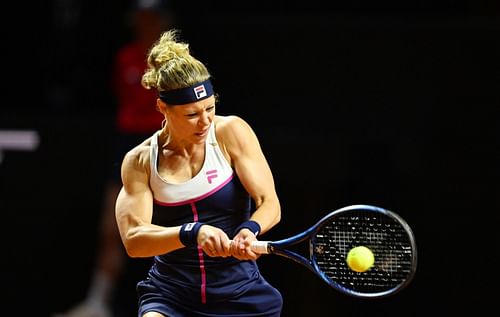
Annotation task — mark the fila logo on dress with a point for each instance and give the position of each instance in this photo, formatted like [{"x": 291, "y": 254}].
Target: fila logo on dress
[{"x": 211, "y": 175}]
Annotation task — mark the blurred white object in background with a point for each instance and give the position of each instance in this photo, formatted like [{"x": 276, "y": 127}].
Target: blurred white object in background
[{"x": 18, "y": 140}]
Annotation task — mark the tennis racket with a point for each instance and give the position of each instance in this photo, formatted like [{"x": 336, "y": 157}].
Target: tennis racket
[{"x": 384, "y": 232}]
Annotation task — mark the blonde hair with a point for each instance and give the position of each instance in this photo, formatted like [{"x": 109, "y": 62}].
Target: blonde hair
[{"x": 171, "y": 65}]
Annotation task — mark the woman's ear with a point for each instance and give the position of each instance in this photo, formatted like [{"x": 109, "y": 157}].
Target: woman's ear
[{"x": 160, "y": 106}]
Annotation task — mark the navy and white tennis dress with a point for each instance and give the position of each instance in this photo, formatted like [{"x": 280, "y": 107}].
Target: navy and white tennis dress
[{"x": 187, "y": 282}]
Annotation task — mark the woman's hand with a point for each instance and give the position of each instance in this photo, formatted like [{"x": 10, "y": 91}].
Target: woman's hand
[
  {"x": 240, "y": 247},
  {"x": 214, "y": 241}
]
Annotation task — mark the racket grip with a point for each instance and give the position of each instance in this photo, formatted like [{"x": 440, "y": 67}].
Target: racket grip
[{"x": 260, "y": 247}]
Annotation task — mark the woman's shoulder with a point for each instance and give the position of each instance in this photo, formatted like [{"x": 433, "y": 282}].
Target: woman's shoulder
[
  {"x": 230, "y": 123},
  {"x": 139, "y": 155},
  {"x": 233, "y": 131}
]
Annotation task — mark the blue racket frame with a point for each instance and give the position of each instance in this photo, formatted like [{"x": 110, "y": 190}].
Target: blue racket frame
[{"x": 278, "y": 247}]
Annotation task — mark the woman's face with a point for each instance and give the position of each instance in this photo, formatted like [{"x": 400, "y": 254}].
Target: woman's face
[{"x": 190, "y": 122}]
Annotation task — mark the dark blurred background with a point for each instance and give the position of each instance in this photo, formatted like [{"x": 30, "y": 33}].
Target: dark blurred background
[{"x": 390, "y": 103}]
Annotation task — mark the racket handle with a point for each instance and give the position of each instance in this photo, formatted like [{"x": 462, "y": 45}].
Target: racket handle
[{"x": 261, "y": 247}]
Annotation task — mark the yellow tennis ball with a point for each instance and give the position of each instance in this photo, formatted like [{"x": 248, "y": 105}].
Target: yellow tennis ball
[{"x": 360, "y": 259}]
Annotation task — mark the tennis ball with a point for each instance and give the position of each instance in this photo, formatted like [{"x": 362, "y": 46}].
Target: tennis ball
[{"x": 360, "y": 259}]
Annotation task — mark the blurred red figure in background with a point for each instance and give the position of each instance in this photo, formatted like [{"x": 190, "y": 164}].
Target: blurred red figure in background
[{"x": 136, "y": 119}]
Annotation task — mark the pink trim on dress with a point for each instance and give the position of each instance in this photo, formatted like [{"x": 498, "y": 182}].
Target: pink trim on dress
[
  {"x": 189, "y": 201},
  {"x": 203, "y": 286}
]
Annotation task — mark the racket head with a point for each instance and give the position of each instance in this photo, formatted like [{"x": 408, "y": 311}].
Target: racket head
[{"x": 384, "y": 232}]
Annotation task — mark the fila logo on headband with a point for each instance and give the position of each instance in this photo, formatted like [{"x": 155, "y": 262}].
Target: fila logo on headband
[{"x": 200, "y": 91}]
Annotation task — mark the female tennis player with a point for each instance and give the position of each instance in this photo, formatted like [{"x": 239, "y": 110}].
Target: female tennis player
[{"x": 188, "y": 191}]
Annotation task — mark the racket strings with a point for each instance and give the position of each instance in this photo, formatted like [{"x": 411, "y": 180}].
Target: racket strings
[{"x": 386, "y": 237}]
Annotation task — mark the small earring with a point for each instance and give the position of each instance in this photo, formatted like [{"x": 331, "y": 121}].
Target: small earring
[{"x": 163, "y": 124}]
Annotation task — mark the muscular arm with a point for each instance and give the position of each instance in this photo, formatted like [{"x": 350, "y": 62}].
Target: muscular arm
[
  {"x": 134, "y": 209},
  {"x": 252, "y": 168}
]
